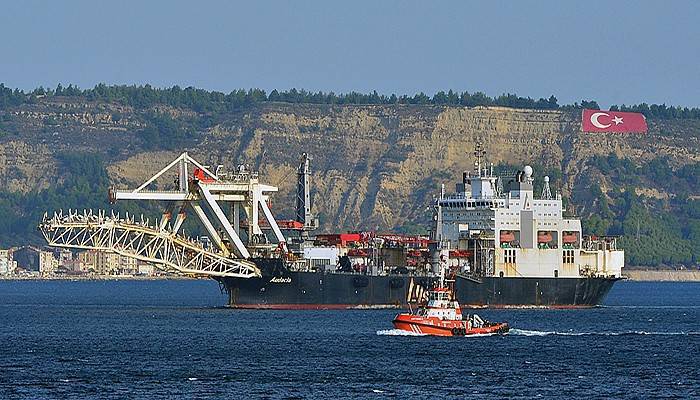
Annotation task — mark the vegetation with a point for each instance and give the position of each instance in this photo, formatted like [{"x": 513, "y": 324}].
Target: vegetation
[
  {"x": 85, "y": 187},
  {"x": 9, "y": 97},
  {"x": 654, "y": 231},
  {"x": 200, "y": 100},
  {"x": 163, "y": 132}
]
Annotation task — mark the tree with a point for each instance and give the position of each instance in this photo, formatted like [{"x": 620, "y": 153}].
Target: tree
[{"x": 590, "y": 104}]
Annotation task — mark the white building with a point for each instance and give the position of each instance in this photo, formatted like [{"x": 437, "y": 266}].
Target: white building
[
  {"x": 48, "y": 264},
  {"x": 146, "y": 269},
  {"x": 107, "y": 263},
  {"x": 7, "y": 265}
]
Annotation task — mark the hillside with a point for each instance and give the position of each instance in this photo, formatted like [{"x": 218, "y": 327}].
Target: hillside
[{"x": 373, "y": 166}]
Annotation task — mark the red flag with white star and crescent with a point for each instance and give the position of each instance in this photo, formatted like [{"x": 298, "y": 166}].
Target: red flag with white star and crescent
[{"x": 613, "y": 122}]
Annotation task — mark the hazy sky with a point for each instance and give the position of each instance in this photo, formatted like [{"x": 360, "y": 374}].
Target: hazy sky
[{"x": 611, "y": 51}]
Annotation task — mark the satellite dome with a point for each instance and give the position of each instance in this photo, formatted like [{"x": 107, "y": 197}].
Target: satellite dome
[
  {"x": 546, "y": 179},
  {"x": 528, "y": 171}
]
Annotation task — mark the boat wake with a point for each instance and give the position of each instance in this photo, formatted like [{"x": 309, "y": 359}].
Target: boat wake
[
  {"x": 400, "y": 332},
  {"x": 524, "y": 332}
]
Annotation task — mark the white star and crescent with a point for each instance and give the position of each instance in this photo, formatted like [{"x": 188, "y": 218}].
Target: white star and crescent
[
  {"x": 596, "y": 123},
  {"x": 594, "y": 120}
]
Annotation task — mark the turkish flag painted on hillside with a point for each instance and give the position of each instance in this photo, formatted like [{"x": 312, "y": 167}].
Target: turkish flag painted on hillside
[{"x": 613, "y": 122}]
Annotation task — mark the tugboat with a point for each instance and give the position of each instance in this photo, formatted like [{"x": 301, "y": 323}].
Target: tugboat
[{"x": 442, "y": 316}]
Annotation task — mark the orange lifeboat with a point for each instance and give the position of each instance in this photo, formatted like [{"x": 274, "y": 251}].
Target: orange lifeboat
[
  {"x": 544, "y": 237},
  {"x": 569, "y": 237},
  {"x": 507, "y": 236},
  {"x": 442, "y": 316}
]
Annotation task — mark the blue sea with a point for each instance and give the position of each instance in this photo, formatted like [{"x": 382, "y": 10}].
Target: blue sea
[{"x": 174, "y": 339}]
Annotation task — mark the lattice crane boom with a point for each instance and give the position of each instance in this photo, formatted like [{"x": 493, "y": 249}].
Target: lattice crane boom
[{"x": 129, "y": 237}]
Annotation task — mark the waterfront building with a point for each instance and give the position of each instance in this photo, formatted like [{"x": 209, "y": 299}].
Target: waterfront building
[
  {"x": 107, "y": 263},
  {"x": 27, "y": 257},
  {"x": 7, "y": 265},
  {"x": 146, "y": 269},
  {"x": 48, "y": 264}
]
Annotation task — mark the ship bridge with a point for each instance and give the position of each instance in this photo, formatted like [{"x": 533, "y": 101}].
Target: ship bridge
[{"x": 512, "y": 233}]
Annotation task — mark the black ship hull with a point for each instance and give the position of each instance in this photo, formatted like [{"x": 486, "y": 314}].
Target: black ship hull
[{"x": 282, "y": 289}]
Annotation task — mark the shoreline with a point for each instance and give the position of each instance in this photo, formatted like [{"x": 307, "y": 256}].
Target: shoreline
[{"x": 646, "y": 275}]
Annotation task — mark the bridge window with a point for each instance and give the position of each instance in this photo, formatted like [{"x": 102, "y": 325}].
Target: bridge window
[
  {"x": 509, "y": 256},
  {"x": 568, "y": 257}
]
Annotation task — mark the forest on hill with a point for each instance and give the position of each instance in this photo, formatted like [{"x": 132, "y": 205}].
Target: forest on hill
[{"x": 201, "y": 100}]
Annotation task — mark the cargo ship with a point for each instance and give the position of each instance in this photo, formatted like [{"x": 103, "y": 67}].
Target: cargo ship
[{"x": 506, "y": 248}]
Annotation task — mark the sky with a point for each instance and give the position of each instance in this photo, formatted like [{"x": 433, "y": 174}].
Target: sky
[{"x": 614, "y": 52}]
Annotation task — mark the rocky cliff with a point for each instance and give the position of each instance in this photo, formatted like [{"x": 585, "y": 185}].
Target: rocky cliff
[{"x": 373, "y": 167}]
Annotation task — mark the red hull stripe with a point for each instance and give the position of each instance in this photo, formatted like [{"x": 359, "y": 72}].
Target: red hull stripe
[
  {"x": 314, "y": 306},
  {"x": 392, "y": 306},
  {"x": 526, "y": 306}
]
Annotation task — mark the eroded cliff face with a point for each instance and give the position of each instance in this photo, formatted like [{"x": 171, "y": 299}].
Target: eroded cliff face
[
  {"x": 26, "y": 166},
  {"x": 373, "y": 167},
  {"x": 378, "y": 167}
]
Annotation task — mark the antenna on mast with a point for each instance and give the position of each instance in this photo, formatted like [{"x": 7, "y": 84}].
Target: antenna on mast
[
  {"x": 479, "y": 153},
  {"x": 546, "y": 192}
]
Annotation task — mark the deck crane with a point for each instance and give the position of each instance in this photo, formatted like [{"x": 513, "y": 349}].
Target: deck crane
[{"x": 239, "y": 190}]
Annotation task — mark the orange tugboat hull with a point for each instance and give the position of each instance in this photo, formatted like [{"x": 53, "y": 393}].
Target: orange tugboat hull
[{"x": 437, "y": 327}]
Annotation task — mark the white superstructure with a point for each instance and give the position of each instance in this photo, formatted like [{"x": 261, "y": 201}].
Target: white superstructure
[{"x": 515, "y": 234}]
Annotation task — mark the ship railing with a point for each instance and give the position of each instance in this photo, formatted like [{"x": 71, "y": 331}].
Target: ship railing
[
  {"x": 136, "y": 238},
  {"x": 588, "y": 271},
  {"x": 596, "y": 243},
  {"x": 389, "y": 272},
  {"x": 237, "y": 177}
]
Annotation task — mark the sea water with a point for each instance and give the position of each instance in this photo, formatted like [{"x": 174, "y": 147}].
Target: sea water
[{"x": 174, "y": 339}]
